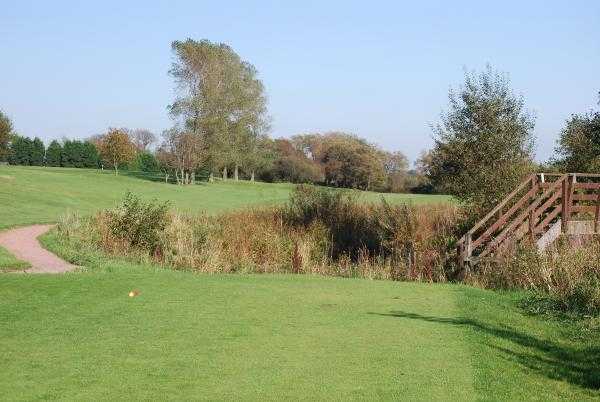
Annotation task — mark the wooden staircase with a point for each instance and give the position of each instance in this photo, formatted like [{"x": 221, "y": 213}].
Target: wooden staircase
[{"x": 540, "y": 209}]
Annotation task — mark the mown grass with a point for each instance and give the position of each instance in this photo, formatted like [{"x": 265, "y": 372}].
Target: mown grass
[
  {"x": 9, "y": 263},
  {"x": 31, "y": 195},
  {"x": 278, "y": 337}
]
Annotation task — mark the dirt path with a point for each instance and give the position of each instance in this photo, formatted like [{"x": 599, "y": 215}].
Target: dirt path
[{"x": 23, "y": 244}]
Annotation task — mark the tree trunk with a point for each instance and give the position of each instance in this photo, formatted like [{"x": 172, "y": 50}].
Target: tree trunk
[
  {"x": 211, "y": 177},
  {"x": 166, "y": 177},
  {"x": 224, "y": 173},
  {"x": 193, "y": 177},
  {"x": 252, "y": 176},
  {"x": 236, "y": 173},
  {"x": 116, "y": 169},
  {"x": 187, "y": 178}
]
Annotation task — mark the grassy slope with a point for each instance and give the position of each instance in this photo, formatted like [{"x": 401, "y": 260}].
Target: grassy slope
[
  {"x": 40, "y": 195},
  {"x": 8, "y": 262}
]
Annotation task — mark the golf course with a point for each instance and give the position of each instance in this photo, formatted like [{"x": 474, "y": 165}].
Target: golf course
[{"x": 188, "y": 336}]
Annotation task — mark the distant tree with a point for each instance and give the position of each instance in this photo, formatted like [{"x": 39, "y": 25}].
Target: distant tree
[
  {"x": 116, "y": 149},
  {"x": 289, "y": 164},
  {"x": 5, "y": 136},
  {"x": 484, "y": 144},
  {"x": 90, "y": 157},
  {"x": 72, "y": 154},
  {"x": 579, "y": 144},
  {"x": 143, "y": 138},
  {"x": 20, "y": 150},
  {"x": 396, "y": 171},
  {"x": 182, "y": 154},
  {"x": 38, "y": 152},
  {"x": 53, "y": 154},
  {"x": 349, "y": 161},
  {"x": 259, "y": 156},
  {"x": 146, "y": 162}
]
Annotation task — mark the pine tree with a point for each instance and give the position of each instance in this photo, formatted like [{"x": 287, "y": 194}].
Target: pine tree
[{"x": 53, "y": 154}]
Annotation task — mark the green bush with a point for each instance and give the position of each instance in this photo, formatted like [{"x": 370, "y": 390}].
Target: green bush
[{"x": 139, "y": 224}]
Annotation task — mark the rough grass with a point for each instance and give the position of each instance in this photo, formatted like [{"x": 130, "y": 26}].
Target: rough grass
[
  {"x": 9, "y": 263},
  {"x": 31, "y": 195},
  {"x": 356, "y": 240}
]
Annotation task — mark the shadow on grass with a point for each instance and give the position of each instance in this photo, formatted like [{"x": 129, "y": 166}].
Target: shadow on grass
[
  {"x": 580, "y": 366},
  {"x": 157, "y": 177}
]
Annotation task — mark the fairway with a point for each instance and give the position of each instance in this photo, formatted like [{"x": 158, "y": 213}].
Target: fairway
[
  {"x": 31, "y": 195},
  {"x": 80, "y": 337}
]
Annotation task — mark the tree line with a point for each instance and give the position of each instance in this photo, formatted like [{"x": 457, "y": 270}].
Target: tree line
[{"x": 484, "y": 142}]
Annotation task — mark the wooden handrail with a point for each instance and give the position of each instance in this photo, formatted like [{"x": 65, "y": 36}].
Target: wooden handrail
[
  {"x": 502, "y": 204},
  {"x": 521, "y": 218},
  {"x": 505, "y": 217},
  {"x": 534, "y": 211}
]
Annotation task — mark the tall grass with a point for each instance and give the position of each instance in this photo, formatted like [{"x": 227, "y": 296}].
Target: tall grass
[
  {"x": 564, "y": 278},
  {"x": 317, "y": 232}
]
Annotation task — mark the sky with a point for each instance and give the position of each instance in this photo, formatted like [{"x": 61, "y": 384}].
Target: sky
[{"x": 378, "y": 69}]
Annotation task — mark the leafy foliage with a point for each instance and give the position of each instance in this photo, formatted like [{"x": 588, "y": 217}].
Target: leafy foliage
[
  {"x": 145, "y": 162},
  {"x": 54, "y": 154},
  {"x": 38, "y": 152},
  {"x": 116, "y": 148},
  {"x": 484, "y": 145},
  {"x": 21, "y": 149},
  {"x": 579, "y": 144},
  {"x": 138, "y": 223},
  {"x": 79, "y": 154},
  {"x": 221, "y": 100}
]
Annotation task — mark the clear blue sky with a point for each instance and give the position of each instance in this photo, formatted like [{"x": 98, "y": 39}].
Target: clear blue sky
[{"x": 381, "y": 70}]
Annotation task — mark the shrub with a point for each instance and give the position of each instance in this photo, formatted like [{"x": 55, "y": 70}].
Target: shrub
[
  {"x": 138, "y": 224},
  {"x": 318, "y": 232},
  {"x": 413, "y": 241}
]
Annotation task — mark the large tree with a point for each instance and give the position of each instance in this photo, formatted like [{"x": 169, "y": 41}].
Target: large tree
[
  {"x": 579, "y": 144},
  {"x": 116, "y": 148},
  {"x": 5, "y": 136},
  {"x": 484, "y": 143},
  {"x": 220, "y": 99}
]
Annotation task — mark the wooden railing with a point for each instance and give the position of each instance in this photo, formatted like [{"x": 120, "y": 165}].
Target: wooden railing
[{"x": 534, "y": 206}]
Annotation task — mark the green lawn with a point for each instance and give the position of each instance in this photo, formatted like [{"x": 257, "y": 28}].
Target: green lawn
[
  {"x": 9, "y": 263},
  {"x": 249, "y": 337},
  {"x": 40, "y": 195}
]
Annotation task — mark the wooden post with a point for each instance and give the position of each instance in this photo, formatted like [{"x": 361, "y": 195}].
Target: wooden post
[
  {"x": 469, "y": 247},
  {"x": 597, "y": 220},
  {"x": 564, "y": 202},
  {"x": 531, "y": 227}
]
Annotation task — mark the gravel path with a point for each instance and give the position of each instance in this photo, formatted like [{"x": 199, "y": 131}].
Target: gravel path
[{"x": 22, "y": 243}]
